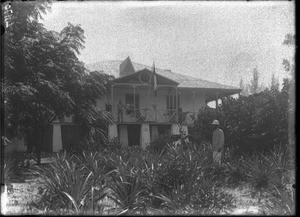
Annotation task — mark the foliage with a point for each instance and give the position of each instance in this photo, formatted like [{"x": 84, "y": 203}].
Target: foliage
[
  {"x": 126, "y": 185},
  {"x": 184, "y": 178},
  {"x": 283, "y": 203},
  {"x": 235, "y": 172},
  {"x": 198, "y": 194},
  {"x": 258, "y": 172},
  {"x": 274, "y": 86},
  {"x": 44, "y": 79},
  {"x": 72, "y": 186},
  {"x": 14, "y": 166},
  {"x": 254, "y": 82},
  {"x": 270, "y": 171},
  {"x": 281, "y": 166},
  {"x": 159, "y": 145},
  {"x": 257, "y": 122}
]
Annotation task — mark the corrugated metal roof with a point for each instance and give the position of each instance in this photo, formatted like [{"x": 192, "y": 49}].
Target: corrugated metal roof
[{"x": 112, "y": 68}]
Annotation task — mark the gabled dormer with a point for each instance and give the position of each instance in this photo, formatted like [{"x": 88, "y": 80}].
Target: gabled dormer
[{"x": 126, "y": 67}]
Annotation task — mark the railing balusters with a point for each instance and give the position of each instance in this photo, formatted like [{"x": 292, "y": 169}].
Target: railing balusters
[{"x": 145, "y": 115}]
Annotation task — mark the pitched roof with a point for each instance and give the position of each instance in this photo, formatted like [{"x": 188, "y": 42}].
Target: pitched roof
[{"x": 185, "y": 81}]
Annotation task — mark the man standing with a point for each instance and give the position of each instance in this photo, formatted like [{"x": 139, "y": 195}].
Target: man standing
[{"x": 217, "y": 142}]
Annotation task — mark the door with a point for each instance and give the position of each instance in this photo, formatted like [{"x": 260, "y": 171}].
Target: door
[
  {"x": 71, "y": 136},
  {"x": 134, "y": 131}
]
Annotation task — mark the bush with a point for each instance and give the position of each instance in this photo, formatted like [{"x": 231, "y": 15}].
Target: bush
[
  {"x": 281, "y": 166},
  {"x": 235, "y": 173},
  {"x": 257, "y": 172},
  {"x": 127, "y": 187},
  {"x": 258, "y": 122},
  {"x": 187, "y": 177}
]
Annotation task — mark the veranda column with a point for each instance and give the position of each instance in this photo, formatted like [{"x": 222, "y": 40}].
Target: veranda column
[
  {"x": 112, "y": 131},
  {"x": 193, "y": 102},
  {"x": 217, "y": 95},
  {"x": 57, "y": 140},
  {"x": 112, "y": 101},
  {"x": 176, "y": 99},
  {"x": 145, "y": 135},
  {"x": 134, "y": 102}
]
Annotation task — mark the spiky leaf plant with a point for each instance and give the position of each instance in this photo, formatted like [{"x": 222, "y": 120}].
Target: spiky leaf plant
[{"x": 71, "y": 186}]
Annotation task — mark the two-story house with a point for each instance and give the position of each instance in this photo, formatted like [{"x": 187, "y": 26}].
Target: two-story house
[
  {"x": 145, "y": 104},
  {"x": 142, "y": 109}
]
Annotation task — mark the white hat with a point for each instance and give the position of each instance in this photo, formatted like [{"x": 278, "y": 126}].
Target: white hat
[{"x": 216, "y": 122}]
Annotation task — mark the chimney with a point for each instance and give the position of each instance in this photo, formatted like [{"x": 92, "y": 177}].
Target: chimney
[{"x": 126, "y": 67}]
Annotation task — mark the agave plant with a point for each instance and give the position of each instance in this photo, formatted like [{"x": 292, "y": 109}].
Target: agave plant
[
  {"x": 174, "y": 200},
  {"x": 69, "y": 186},
  {"x": 284, "y": 203},
  {"x": 281, "y": 165},
  {"x": 127, "y": 190},
  {"x": 258, "y": 172}
]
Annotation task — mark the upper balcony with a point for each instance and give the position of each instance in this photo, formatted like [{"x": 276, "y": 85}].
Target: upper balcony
[{"x": 151, "y": 115}]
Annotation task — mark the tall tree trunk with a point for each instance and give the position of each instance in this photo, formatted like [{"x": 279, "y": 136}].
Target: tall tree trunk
[
  {"x": 38, "y": 155},
  {"x": 39, "y": 136}
]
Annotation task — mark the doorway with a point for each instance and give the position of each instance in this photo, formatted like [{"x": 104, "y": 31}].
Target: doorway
[
  {"x": 134, "y": 131},
  {"x": 71, "y": 136}
]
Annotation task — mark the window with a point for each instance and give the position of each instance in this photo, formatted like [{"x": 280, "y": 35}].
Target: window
[
  {"x": 129, "y": 103},
  {"x": 171, "y": 102}
]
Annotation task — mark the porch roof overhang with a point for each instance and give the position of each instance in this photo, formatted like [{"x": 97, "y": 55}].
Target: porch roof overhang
[{"x": 214, "y": 93}]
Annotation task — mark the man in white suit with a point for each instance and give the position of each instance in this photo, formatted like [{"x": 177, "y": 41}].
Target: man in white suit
[{"x": 217, "y": 142}]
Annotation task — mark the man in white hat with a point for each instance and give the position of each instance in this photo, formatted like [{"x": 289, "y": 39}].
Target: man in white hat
[{"x": 217, "y": 141}]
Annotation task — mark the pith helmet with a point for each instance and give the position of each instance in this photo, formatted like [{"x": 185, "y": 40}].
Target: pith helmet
[{"x": 216, "y": 122}]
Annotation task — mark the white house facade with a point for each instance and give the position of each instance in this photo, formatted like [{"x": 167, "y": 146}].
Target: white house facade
[{"x": 143, "y": 109}]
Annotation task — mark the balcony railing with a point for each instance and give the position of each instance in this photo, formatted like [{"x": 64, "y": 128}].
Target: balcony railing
[
  {"x": 145, "y": 115},
  {"x": 152, "y": 115}
]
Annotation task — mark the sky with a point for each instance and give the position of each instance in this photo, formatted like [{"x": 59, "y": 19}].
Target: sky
[{"x": 216, "y": 41}]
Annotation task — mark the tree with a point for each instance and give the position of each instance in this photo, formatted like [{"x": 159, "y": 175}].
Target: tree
[
  {"x": 289, "y": 88},
  {"x": 44, "y": 80},
  {"x": 254, "y": 82},
  {"x": 242, "y": 86},
  {"x": 257, "y": 122},
  {"x": 274, "y": 86}
]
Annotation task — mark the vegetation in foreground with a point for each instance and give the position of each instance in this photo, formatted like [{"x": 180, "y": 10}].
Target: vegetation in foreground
[{"x": 183, "y": 180}]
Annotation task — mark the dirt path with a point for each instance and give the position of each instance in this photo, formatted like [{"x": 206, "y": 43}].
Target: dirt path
[
  {"x": 18, "y": 200},
  {"x": 245, "y": 201}
]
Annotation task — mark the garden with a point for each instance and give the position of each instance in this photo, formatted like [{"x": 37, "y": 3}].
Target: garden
[
  {"x": 257, "y": 174},
  {"x": 130, "y": 181}
]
